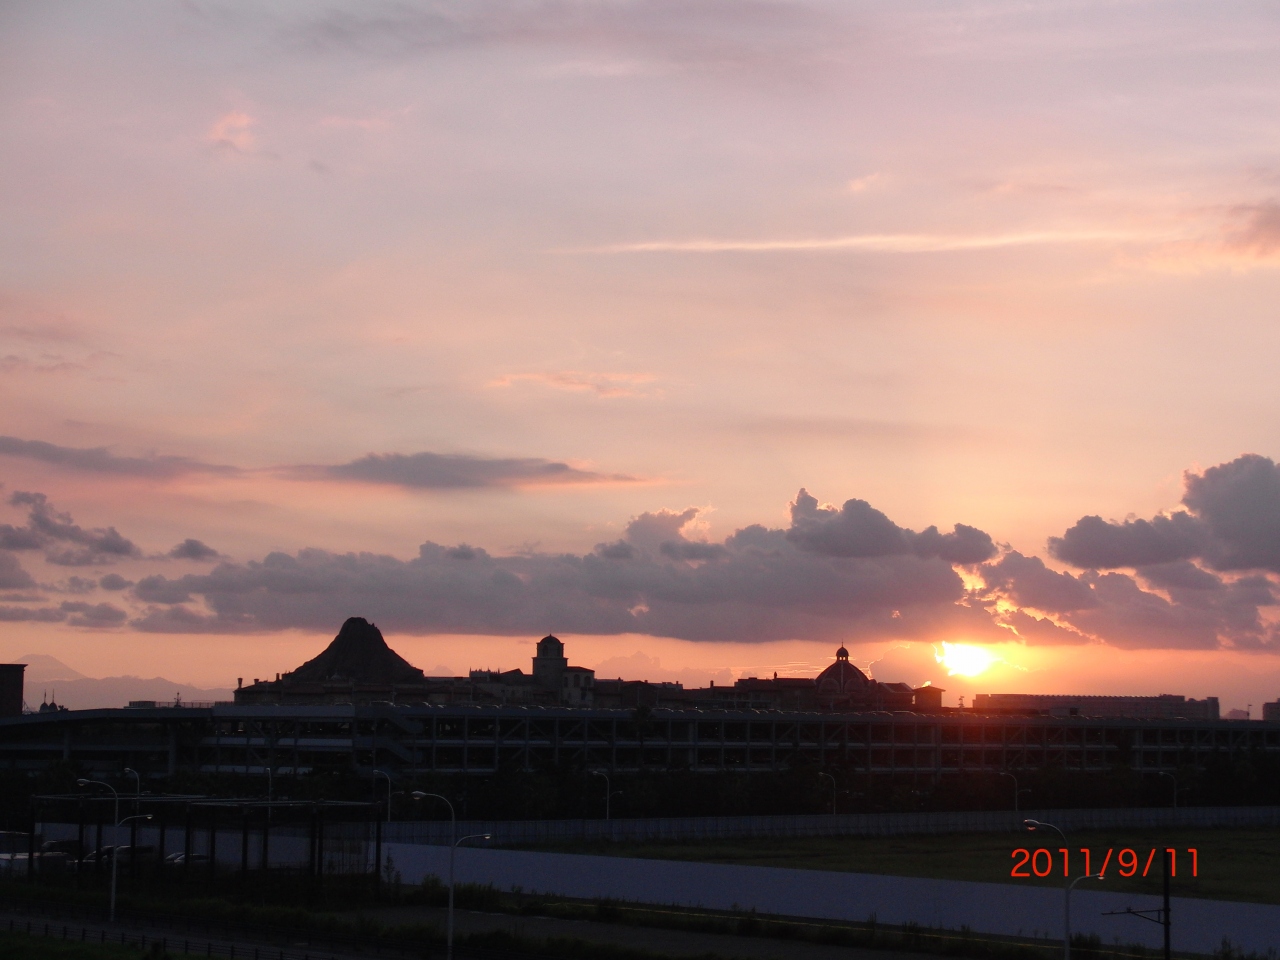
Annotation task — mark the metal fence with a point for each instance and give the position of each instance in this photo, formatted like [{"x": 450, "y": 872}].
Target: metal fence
[{"x": 535, "y": 832}]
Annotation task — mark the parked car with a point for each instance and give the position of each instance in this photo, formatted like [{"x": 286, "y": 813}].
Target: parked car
[
  {"x": 71, "y": 847},
  {"x": 128, "y": 854},
  {"x": 101, "y": 855},
  {"x": 179, "y": 859}
]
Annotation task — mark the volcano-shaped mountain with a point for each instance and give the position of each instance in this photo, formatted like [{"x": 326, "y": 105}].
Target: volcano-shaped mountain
[{"x": 358, "y": 654}]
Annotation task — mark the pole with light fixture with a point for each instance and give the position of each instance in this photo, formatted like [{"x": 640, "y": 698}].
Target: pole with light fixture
[{"x": 115, "y": 850}]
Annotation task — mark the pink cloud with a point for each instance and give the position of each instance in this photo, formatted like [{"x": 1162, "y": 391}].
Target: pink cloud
[{"x": 233, "y": 131}]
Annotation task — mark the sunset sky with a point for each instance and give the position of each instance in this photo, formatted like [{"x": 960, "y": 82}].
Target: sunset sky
[{"x": 706, "y": 335}]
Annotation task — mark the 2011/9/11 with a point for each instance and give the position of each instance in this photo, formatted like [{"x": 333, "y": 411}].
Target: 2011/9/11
[{"x": 1127, "y": 861}]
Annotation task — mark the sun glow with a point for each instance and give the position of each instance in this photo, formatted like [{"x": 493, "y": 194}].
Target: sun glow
[{"x": 965, "y": 659}]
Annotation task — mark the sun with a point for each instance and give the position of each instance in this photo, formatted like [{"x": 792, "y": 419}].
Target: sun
[{"x": 965, "y": 659}]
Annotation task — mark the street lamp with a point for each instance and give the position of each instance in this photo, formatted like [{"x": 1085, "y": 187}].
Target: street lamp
[
  {"x": 1005, "y": 773},
  {"x": 1034, "y": 825},
  {"x": 1066, "y": 907},
  {"x": 833, "y": 790},
  {"x": 453, "y": 845},
  {"x": 82, "y": 783},
  {"x": 608, "y": 790},
  {"x": 115, "y": 851},
  {"x": 1066, "y": 912},
  {"x": 1165, "y": 773},
  {"x": 456, "y": 843},
  {"x": 383, "y": 773}
]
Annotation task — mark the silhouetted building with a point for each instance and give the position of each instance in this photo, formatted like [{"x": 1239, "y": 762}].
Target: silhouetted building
[
  {"x": 1271, "y": 712},
  {"x": 358, "y": 667},
  {"x": 841, "y": 687},
  {"x": 1166, "y": 706},
  {"x": 11, "y": 679}
]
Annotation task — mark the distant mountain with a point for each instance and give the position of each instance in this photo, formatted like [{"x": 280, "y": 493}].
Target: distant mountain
[
  {"x": 48, "y": 678},
  {"x": 42, "y": 668},
  {"x": 88, "y": 693}
]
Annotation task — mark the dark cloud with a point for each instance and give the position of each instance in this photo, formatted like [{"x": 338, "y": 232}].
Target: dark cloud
[
  {"x": 619, "y": 550},
  {"x": 102, "y": 460},
  {"x": 965, "y": 545},
  {"x": 1029, "y": 583},
  {"x": 31, "y": 615},
  {"x": 692, "y": 550},
  {"x": 855, "y": 530},
  {"x": 193, "y": 550},
  {"x": 80, "y": 585},
  {"x": 19, "y": 538},
  {"x": 178, "y": 619},
  {"x": 1240, "y": 503},
  {"x": 859, "y": 530},
  {"x": 97, "y": 615},
  {"x": 157, "y": 589},
  {"x": 438, "y": 471},
  {"x": 12, "y": 576},
  {"x": 423, "y": 471},
  {"x": 1127, "y": 616},
  {"x": 1194, "y": 580},
  {"x": 1195, "y": 609},
  {"x": 1232, "y": 522},
  {"x": 1094, "y": 542},
  {"x": 1180, "y": 577},
  {"x": 1041, "y": 631},
  {"x": 64, "y": 542},
  {"x": 755, "y": 585}
]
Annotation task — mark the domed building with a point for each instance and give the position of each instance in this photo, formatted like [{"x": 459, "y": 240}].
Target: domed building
[
  {"x": 843, "y": 682},
  {"x": 840, "y": 688}
]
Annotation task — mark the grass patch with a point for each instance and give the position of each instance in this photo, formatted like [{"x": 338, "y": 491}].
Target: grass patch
[{"x": 1232, "y": 864}]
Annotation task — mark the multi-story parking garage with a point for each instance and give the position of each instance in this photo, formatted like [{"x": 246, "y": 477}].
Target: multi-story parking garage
[{"x": 405, "y": 739}]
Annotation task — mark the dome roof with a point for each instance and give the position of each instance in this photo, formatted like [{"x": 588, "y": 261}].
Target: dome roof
[
  {"x": 550, "y": 646},
  {"x": 842, "y": 676}
]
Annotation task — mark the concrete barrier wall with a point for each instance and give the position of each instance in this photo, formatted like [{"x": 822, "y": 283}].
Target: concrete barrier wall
[
  {"x": 1198, "y": 925},
  {"x": 873, "y": 824}
]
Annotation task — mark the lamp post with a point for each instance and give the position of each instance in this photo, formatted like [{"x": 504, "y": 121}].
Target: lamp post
[
  {"x": 833, "y": 789},
  {"x": 82, "y": 783},
  {"x": 1034, "y": 825},
  {"x": 270, "y": 786},
  {"x": 608, "y": 790},
  {"x": 115, "y": 851},
  {"x": 1066, "y": 912},
  {"x": 1165, "y": 773},
  {"x": 383, "y": 773},
  {"x": 456, "y": 844},
  {"x": 1005, "y": 773},
  {"x": 453, "y": 845}
]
